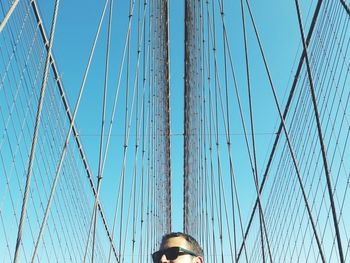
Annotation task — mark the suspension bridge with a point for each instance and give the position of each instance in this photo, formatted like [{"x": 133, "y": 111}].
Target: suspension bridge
[{"x": 125, "y": 120}]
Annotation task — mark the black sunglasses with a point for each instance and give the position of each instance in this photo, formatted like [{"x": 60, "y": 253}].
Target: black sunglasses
[{"x": 171, "y": 253}]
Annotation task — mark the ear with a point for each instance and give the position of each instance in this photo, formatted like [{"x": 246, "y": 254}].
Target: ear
[{"x": 198, "y": 259}]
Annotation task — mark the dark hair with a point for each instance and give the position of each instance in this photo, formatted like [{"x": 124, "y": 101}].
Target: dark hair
[{"x": 193, "y": 243}]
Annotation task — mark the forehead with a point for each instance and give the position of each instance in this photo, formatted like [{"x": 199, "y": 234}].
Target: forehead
[{"x": 175, "y": 242}]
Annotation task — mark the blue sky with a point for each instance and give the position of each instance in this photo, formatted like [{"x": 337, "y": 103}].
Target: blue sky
[{"x": 76, "y": 26}]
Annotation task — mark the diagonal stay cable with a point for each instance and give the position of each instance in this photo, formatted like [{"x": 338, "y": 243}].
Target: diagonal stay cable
[
  {"x": 278, "y": 133},
  {"x": 323, "y": 112},
  {"x": 35, "y": 136},
  {"x": 32, "y": 82},
  {"x": 304, "y": 112},
  {"x": 292, "y": 152},
  {"x": 287, "y": 136},
  {"x": 308, "y": 135},
  {"x": 69, "y": 115},
  {"x": 346, "y": 7},
  {"x": 8, "y": 15},
  {"x": 320, "y": 136},
  {"x": 64, "y": 150},
  {"x": 13, "y": 152}
]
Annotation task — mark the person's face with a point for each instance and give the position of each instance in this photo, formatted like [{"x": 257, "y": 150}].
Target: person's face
[{"x": 179, "y": 242}]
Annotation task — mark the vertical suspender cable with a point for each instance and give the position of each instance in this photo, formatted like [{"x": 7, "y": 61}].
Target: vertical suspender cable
[
  {"x": 35, "y": 136},
  {"x": 141, "y": 246},
  {"x": 148, "y": 172},
  {"x": 255, "y": 171},
  {"x": 320, "y": 136},
  {"x": 206, "y": 239},
  {"x": 99, "y": 176},
  {"x": 126, "y": 136},
  {"x": 216, "y": 131},
  {"x": 233, "y": 183},
  {"x": 211, "y": 185},
  {"x": 166, "y": 42},
  {"x": 148, "y": 125},
  {"x": 186, "y": 94},
  {"x": 139, "y": 36},
  {"x": 134, "y": 94},
  {"x": 228, "y": 137}
]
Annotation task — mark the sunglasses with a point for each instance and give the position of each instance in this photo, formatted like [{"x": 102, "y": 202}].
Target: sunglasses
[{"x": 171, "y": 253}]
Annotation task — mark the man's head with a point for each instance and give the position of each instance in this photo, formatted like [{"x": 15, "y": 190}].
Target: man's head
[{"x": 178, "y": 248}]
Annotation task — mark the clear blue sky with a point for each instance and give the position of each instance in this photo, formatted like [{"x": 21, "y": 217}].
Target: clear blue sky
[{"x": 76, "y": 26}]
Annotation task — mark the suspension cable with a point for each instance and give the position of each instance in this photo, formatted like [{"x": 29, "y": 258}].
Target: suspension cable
[
  {"x": 320, "y": 136},
  {"x": 35, "y": 135},
  {"x": 278, "y": 133}
]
